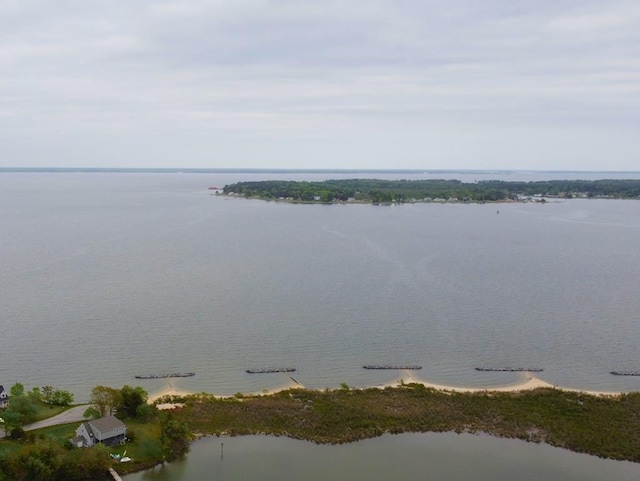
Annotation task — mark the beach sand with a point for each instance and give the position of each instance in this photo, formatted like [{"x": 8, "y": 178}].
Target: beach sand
[
  {"x": 528, "y": 382},
  {"x": 169, "y": 390},
  {"x": 290, "y": 384}
]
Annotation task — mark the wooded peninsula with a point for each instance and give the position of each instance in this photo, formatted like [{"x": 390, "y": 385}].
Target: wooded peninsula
[{"x": 430, "y": 190}]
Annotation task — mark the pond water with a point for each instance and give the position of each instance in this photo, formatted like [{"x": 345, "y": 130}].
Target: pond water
[{"x": 405, "y": 457}]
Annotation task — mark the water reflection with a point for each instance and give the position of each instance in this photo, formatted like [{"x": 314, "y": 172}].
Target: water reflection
[{"x": 442, "y": 456}]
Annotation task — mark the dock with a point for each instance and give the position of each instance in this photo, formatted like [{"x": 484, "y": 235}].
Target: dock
[{"x": 115, "y": 475}]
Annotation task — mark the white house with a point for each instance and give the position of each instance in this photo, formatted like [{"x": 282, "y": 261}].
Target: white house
[
  {"x": 4, "y": 398},
  {"x": 108, "y": 430}
]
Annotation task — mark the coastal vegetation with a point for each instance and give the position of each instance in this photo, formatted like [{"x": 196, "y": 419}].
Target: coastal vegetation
[
  {"x": 605, "y": 426},
  {"x": 386, "y": 191},
  {"x": 608, "y": 427}
]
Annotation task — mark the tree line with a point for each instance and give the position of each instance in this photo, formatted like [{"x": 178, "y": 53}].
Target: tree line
[
  {"x": 43, "y": 456},
  {"x": 379, "y": 190},
  {"x": 23, "y": 406}
]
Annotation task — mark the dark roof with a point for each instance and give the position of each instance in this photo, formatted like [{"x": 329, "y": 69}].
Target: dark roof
[{"x": 106, "y": 423}]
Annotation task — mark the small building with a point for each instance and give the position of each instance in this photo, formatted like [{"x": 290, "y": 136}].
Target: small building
[
  {"x": 4, "y": 398},
  {"x": 108, "y": 430}
]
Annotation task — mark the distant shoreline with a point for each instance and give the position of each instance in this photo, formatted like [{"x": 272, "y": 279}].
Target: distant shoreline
[
  {"x": 400, "y": 191},
  {"x": 197, "y": 170}
]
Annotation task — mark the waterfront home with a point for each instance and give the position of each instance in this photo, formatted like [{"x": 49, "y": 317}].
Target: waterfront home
[
  {"x": 108, "y": 430},
  {"x": 4, "y": 398}
]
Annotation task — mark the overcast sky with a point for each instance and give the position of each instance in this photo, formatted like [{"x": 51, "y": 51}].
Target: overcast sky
[{"x": 433, "y": 84}]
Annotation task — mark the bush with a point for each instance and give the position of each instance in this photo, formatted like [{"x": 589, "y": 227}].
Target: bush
[{"x": 17, "y": 433}]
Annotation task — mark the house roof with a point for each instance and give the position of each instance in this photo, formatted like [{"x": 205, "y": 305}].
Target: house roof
[
  {"x": 105, "y": 424},
  {"x": 3, "y": 391}
]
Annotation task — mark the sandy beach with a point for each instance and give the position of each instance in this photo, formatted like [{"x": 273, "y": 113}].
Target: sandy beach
[
  {"x": 290, "y": 384},
  {"x": 528, "y": 382},
  {"x": 170, "y": 390}
]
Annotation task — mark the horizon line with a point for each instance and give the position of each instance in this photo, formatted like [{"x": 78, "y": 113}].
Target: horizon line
[{"x": 285, "y": 170}]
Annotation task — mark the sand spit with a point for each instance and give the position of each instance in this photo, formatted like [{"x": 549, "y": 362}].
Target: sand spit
[{"x": 527, "y": 383}]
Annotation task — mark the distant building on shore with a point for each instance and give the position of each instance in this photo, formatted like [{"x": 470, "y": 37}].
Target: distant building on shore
[{"x": 4, "y": 398}]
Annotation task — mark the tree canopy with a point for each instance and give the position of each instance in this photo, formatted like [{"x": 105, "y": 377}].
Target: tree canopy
[{"x": 379, "y": 190}]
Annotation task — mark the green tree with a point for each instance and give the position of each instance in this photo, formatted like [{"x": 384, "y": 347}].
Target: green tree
[
  {"x": 85, "y": 464},
  {"x": 92, "y": 412},
  {"x": 61, "y": 398},
  {"x": 21, "y": 410},
  {"x": 131, "y": 399},
  {"x": 35, "y": 394},
  {"x": 17, "y": 390},
  {"x": 47, "y": 393},
  {"x": 175, "y": 438},
  {"x": 48, "y": 461},
  {"x": 35, "y": 462},
  {"x": 105, "y": 399},
  {"x": 145, "y": 412}
]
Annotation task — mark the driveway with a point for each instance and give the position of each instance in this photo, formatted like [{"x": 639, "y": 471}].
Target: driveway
[{"x": 75, "y": 414}]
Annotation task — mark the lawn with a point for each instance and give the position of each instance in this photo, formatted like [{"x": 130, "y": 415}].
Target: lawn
[{"x": 44, "y": 411}]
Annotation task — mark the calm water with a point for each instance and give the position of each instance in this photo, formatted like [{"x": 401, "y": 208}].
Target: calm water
[
  {"x": 105, "y": 276},
  {"x": 406, "y": 457}
]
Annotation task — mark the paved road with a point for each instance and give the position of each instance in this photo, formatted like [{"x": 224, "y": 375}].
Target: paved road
[{"x": 75, "y": 414}]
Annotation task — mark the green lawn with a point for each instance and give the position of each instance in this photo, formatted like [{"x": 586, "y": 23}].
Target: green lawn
[
  {"x": 60, "y": 433},
  {"x": 44, "y": 411},
  {"x": 145, "y": 448}
]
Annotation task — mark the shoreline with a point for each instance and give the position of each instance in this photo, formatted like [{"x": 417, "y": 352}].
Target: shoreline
[
  {"x": 528, "y": 382},
  {"x": 169, "y": 390},
  {"x": 260, "y": 403}
]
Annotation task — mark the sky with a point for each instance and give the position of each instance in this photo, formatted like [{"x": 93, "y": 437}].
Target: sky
[{"x": 376, "y": 84}]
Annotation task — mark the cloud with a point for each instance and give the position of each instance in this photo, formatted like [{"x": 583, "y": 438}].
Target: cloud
[{"x": 219, "y": 75}]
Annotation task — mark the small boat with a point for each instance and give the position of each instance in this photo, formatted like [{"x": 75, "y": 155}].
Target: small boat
[{"x": 625, "y": 373}]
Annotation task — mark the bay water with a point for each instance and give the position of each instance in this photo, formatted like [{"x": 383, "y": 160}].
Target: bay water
[
  {"x": 105, "y": 276},
  {"x": 110, "y": 275}
]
